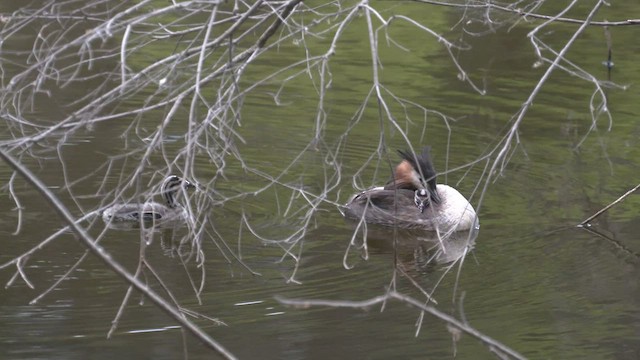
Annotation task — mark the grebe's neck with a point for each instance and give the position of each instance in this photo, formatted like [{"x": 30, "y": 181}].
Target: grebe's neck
[{"x": 170, "y": 187}]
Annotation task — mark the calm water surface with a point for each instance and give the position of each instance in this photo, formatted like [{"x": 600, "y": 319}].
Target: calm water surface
[{"x": 533, "y": 281}]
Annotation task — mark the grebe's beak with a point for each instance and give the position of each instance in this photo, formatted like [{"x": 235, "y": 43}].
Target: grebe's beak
[{"x": 187, "y": 185}]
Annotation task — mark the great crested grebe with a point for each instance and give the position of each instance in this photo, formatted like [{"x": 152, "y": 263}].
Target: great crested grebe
[
  {"x": 405, "y": 201},
  {"x": 152, "y": 211}
]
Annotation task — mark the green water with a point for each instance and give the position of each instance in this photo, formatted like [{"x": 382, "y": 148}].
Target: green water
[{"x": 533, "y": 281}]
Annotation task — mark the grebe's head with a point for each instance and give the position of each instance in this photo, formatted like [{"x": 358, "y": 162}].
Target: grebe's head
[
  {"x": 418, "y": 171},
  {"x": 173, "y": 183}
]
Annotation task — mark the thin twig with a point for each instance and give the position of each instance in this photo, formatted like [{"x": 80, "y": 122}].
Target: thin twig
[{"x": 588, "y": 220}]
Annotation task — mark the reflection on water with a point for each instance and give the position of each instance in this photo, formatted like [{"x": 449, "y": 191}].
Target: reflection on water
[
  {"x": 174, "y": 239},
  {"x": 444, "y": 250},
  {"x": 147, "y": 226},
  {"x": 426, "y": 249}
]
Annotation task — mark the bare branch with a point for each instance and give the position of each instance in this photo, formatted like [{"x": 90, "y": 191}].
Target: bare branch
[{"x": 378, "y": 300}]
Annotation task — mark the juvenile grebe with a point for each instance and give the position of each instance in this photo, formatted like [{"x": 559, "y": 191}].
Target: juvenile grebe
[
  {"x": 406, "y": 203},
  {"x": 152, "y": 211}
]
